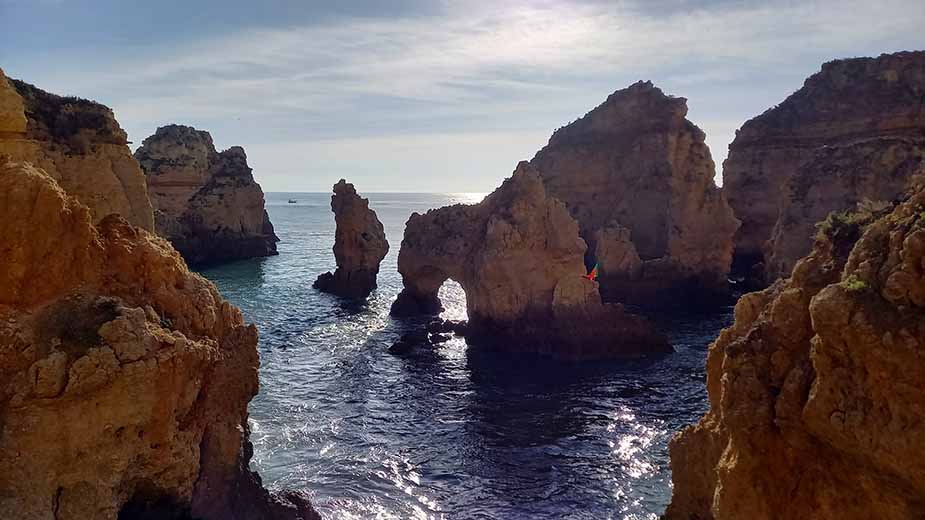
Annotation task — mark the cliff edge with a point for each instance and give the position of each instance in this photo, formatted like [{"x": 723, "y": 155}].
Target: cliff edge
[{"x": 78, "y": 143}]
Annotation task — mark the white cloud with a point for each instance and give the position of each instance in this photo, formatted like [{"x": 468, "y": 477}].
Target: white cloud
[{"x": 491, "y": 67}]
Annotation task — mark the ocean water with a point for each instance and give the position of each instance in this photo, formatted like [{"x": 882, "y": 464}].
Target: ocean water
[{"x": 446, "y": 434}]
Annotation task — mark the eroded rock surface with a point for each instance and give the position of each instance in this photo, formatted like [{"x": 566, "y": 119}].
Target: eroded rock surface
[
  {"x": 206, "y": 202},
  {"x": 636, "y": 171},
  {"x": 838, "y": 178},
  {"x": 519, "y": 259},
  {"x": 359, "y": 245},
  {"x": 124, "y": 377},
  {"x": 817, "y": 392},
  {"x": 79, "y": 144},
  {"x": 868, "y": 100}
]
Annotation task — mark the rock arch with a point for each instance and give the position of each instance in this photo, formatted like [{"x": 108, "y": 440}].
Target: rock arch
[{"x": 520, "y": 261}]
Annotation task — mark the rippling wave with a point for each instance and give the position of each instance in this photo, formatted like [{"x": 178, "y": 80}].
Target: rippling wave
[{"x": 446, "y": 433}]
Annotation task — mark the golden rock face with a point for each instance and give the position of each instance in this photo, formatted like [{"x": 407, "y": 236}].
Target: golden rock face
[
  {"x": 79, "y": 144},
  {"x": 817, "y": 404},
  {"x": 124, "y": 377}
]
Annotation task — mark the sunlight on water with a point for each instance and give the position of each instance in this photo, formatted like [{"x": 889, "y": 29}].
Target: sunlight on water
[
  {"x": 466, "y": 198},
  {"x": 453, "y": 298}
]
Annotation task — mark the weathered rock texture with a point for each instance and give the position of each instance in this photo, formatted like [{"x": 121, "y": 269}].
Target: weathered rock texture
[
  {"x": 124, "y": 377},
  {"x": 638, "y": 177},
  {"x": 817, "y": 392},
  {"x": 871, "y": 100},
  {"x": 359, "y": 245},
  {"x": 206, "y": 203},
  {"x": 519, "y": 259},
  {"x": 838, "y": 178},
  {"x": 80, "y": 144}
]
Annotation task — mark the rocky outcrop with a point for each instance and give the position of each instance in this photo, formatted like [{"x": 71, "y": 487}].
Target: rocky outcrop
[
  {"x": 838, "y": 178},
  {"x": 817, "y": 392},
  {"x": 519, "y": 259},
  {"x": 638, "y": 177},
  {"x": 124, "y": 377},
  {"x": 359, "y": 245},
  {"x": 862, "y": 103},
  {"x": 79, "y": 144},
  {"x": 206, "y": 202}
]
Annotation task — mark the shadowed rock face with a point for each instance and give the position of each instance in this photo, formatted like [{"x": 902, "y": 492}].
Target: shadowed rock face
[
  {"x": 862, "y": 103},
  {"x": 519, "y": 258},
  {"x": 359, "y": 245},
  {"x": 206, "y": 203},
  {"x": 636, "y": 171},
  {"x": 838, "y": 178},
  {"x": 124, "y": 377},
  {"x": 79, "y": 144},
  {"x": 817, "y": 392}
]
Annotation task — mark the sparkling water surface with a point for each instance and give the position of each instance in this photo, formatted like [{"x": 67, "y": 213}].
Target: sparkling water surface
[{"x": 446, "y": 433}]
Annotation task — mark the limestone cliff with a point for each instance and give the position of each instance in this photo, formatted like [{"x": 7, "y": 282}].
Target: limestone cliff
[
  {"x": 80, "y": 144},
  {"x": 838, "y": 178},
  {"x": 124, "y": 377},
  {"x": 206, "y": 202},
  {"x": 359, "y": 245},
  {"x": 817, "y": 392},
  {"x": 636, "y": 170},
  {"x": 852, "y": 100},
  {"x": 519, "y": 259}
]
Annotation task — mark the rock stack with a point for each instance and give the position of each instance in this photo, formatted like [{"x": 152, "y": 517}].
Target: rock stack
[
  {"x": 520, "y": 261},
  {"x": 638, "y": 178},
  {"x": 359, "y": 245},
  {"x": 206, "y": 202}
]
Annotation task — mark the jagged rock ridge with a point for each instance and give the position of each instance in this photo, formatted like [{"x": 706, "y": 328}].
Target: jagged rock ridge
[
  {"x": 817, "y": 392},
  {"x": 638, "y": 178},
  {"x": 124, "y": 377},
  {"x": 519, "y": 259},
  {"x": 861, "y": 103},
  {"x": 79, "y": 144},
  {"x": 359, "y": 245},
  {"x": 206, "y": 202}
]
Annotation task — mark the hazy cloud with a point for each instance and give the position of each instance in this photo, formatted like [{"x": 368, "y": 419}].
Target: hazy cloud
[{"x": 352, "y": 90}]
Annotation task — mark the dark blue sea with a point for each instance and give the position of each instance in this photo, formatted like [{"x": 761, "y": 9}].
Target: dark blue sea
[{"x": 446, "y": 434}]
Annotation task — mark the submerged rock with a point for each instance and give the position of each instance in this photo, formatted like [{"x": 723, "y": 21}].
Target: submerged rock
[
  {"x": 79, "y": 144},
  {"x": 519, "y": 259},
  {"x": 124, "y": 377},
  {"x": 359, "y": 245},
  {"x": 409, "y": 342},
  {"x": 207, "y": 203},
  {"x": 638, "y": 178},
  {"x": 817, "y": 400},
  {"x": 795, "y": 162}
]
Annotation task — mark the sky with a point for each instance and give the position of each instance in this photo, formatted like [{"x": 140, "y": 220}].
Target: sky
[{"x": 427, "y": 95}]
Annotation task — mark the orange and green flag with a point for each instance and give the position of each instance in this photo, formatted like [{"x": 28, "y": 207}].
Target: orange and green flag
[{"x": 593, "y": 274}]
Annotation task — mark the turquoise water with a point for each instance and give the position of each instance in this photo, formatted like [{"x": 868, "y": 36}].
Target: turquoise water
[{"x": 445, "y": 434}]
